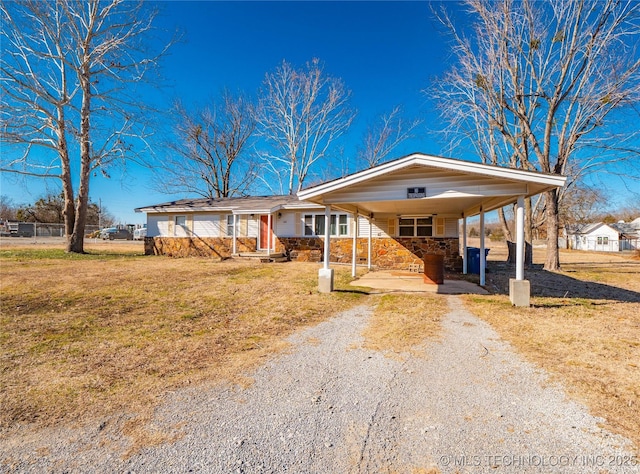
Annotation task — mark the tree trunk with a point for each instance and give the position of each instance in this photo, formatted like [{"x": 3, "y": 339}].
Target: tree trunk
[
  {"x": 76, "y": 241},
  {"x": 68, "y": 210},
  {"x": 505, "y": 226},
  {"x": 528, "y": 221},
  {"x": 552, "y": 262}
]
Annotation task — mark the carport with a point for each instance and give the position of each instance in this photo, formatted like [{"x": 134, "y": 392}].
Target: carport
[{"x": 426, "y": 185}]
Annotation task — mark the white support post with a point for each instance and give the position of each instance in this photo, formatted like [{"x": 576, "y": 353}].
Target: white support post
[
  {"x": 235, "y": 234},
  {"x": 519, "y": 288},
  {"x": 520, "y": 239},
  {"x": 325, "y": 274},
  {"x": 327, "y": 236},
  {"x": 483, "y": 257},
  {"x": 464, "y": 246},
  {"x": 269, "y": 235},
  {"x": 354, "y": 252},
  {"x": 369, "y": 244}
]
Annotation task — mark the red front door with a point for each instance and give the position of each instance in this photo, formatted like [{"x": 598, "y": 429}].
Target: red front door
[{"x": 266, "y": 237}]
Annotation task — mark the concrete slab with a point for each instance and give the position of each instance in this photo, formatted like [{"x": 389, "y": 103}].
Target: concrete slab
[{"x": 397, "y": 281}]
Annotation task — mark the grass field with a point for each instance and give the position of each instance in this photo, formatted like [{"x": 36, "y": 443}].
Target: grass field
[
  {"x": 583, "y": 327},
  {"x": 85, "y": 337}
]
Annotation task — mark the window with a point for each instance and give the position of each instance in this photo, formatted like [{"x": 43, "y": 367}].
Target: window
[
  {"x": 314, "y": 224},
  {"x": 415, "y": 226},
  {"x": 230, "y": 223},
  {"x": 180, "y": 227},
  {"x": 343, "y": 229},
  {"x": 308, "y": 225},
  {"x": 319, "y": 229},
  {"x": 603, "y": 240}
]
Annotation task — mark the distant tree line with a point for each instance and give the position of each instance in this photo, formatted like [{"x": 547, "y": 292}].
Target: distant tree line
[{"x": 50, "y": 210}]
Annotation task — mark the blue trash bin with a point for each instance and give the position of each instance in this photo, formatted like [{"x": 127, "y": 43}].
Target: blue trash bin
[{"x": 473, "y": 259}]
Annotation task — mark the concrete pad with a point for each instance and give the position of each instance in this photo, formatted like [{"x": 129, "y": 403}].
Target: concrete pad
[{"x": 398, "y": 281}]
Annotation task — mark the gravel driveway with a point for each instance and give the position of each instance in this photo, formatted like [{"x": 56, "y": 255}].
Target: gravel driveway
[{"x": 465, "y": 403}]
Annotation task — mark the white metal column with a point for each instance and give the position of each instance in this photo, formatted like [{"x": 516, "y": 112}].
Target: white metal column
[
  {"x": 269, "y": 234},
  {"x": 464, "y": 245},
  {"x": 483, "y": 258},
  {"x": 520, "y": 239},
  {"x": 327, "y": 235},
  {"x": 369, "y": 244},
  {"x": 354, "y": 252},
  {"x": 235, "y": 233}
]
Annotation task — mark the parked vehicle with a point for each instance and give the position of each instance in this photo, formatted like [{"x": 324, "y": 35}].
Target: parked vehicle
[
  {"x": 140, "y": 234},
  {"x": 113, "y": 233}
]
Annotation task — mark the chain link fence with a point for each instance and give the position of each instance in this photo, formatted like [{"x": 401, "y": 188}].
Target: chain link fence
[{"x": 38, "y": 229}]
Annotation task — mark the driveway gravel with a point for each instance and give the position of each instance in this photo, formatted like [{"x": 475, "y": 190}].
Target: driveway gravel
[{"x": 464, "y": 403}]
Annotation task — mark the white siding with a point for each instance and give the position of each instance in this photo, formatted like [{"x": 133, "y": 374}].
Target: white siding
[
  {"x": 157, "y": 225},
  {"x": 379, "y": 227},
  {"x": 206, "y": 225},
  {"x": 451, "y": 227},
  {"x": 285, "y": 226},
  {"x": 253, "y": 227},
  {"x": 438, "y": 183}
]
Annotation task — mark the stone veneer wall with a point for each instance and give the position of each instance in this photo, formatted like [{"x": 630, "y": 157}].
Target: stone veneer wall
[
  {"x": 220, "y": 247},
  {"x": 397, "y": 253}
]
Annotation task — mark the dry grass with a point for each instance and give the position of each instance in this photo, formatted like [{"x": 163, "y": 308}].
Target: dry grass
[
  {"x": 402, "y": 321},
  {"x": 583, "y": 327},
  {"x": 86, "y": 337}
]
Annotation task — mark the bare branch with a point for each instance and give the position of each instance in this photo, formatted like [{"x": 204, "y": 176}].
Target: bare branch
[
  {"x": 382, "y": 137},
  {"x": 301, "y": 115}
]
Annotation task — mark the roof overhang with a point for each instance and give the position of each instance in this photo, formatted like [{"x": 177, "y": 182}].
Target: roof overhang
[
  {"x": 451, "y": 187},
  {"x": 240, "y": 206}
]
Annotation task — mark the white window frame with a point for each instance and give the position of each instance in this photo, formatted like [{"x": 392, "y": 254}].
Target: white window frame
[
  {"x": 231, "y": 219},
  {"x": 180, "y": 221},
  {"x": 415, "y": 225},
  {"x": 313, "y": 225}
]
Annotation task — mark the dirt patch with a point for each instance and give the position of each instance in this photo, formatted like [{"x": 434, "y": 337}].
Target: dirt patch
[{"x": 401, "y": 322}]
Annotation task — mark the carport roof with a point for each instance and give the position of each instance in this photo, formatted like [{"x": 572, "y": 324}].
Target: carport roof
[{"x": 426, "y": 184}]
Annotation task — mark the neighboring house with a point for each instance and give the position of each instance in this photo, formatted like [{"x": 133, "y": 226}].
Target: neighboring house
[
  {"x": 234, "y": 226},
  {"x": 603, "y": 237}
]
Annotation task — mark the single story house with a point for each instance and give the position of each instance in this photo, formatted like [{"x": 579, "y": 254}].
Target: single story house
[
  {"x": 227, "y": 227},
  {"x": 603, "y": 237},
  {"x": 388, "y": 216}
]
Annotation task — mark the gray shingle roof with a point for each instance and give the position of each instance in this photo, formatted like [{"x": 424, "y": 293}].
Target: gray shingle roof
[{"x": 247, "y": 204}]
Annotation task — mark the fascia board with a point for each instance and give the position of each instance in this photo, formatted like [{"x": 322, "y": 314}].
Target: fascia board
[{"x": 435, "y": 162}]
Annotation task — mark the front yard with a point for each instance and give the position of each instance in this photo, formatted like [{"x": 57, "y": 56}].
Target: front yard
[
  {"x": 87, "y": 337},
  {"x": 84, "y": 338},
  {"x": 583, "y": 328}
]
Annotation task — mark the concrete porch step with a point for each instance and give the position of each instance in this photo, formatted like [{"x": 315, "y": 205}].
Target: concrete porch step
[{"x": 263, "y": 257}]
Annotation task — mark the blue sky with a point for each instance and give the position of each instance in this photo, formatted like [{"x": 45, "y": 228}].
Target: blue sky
[{"x": 386, "y": 52}]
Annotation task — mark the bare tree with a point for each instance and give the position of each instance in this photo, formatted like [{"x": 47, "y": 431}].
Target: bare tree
[
  {"x": 210, "y": 155},
  {"x": 383, "y": 136},
  {"x": 542, "y": 84},
  {"x": 69, "y": 70},
  {"x": 301, "y": 114},
  {"x": 8, "y": 209}
]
